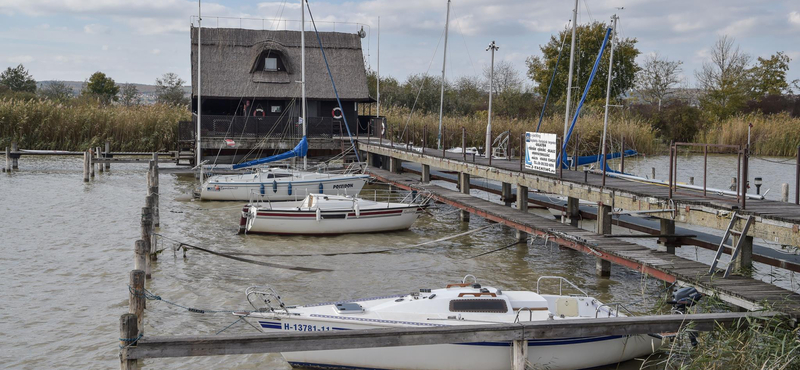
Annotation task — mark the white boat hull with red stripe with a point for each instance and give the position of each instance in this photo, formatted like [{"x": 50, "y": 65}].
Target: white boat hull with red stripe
[{"x": 321, "y": 214}]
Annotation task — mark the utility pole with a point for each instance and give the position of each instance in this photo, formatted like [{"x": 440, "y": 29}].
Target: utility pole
[
  {"x": 378, "y": 111},
  {"x": 493, "y": 47},
  {"x": 571, "y": 64},
  {"x": 444, "y": 66},
  {"x": 608, "y": 92}
]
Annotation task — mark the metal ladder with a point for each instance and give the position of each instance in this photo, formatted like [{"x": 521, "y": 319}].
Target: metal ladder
[{"x": 740, "y": 239}]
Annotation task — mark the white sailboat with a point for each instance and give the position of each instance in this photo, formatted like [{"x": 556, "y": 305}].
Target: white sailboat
[
  {"x": 321, "y": 214},
  {"x": 456, "y": 304},
  {"x": 282, "y": 184}
]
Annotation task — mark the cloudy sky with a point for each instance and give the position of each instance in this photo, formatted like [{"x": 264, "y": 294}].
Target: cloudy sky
[{"x": 137, "y": 41}]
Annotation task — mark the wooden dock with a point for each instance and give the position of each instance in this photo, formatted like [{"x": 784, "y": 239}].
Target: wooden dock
[
  {"x": 778, "y": 222},
  {"x": 741, "y": 291}
]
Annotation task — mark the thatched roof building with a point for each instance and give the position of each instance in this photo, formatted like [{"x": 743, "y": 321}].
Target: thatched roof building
[{"x": 266, "y": 64}]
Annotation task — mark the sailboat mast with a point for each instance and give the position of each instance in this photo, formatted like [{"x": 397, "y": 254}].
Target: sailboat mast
[
  {"x": 571, "y": 64},
  {"x": 378, "y": 111},
  {"x": 303, "y": 71},
  {"x": 608, "y": 91},
  {"x": 444, "y": 66},
  {"x": 199, "y": 84},
  {"x": 493, "y": 47}
]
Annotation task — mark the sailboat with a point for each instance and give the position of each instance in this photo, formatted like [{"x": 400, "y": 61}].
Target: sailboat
[
  {"x": 464, "y": 303},
  {"x": 283, "y": 184}
]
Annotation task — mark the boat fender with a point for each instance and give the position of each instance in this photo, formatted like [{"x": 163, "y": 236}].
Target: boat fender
[
  {"x": 290, "y": 188},
  {"x": 337, "y": 113},
  {"x": 252, "y": 213},
  {"x": 262, "y": 188},
  {"x": 432, "y": 296},
  {"x": 319, "y": 215},
  {"x": 357, "y": 209},
  {"x": 320, "y": 188},
  {"x": 274, "y": 186}
]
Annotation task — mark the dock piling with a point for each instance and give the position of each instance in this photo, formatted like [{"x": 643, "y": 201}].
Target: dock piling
[
  {"x": 785, "y": 192},
  {"x": 150, "y": 204},
  {"x": 128, "y": 334},
  {"x": 464, "y": 187},
  {"x": 147, "y": 233},
  {"x": 136, "y": 300},
  {"x": 91, "y": 162},
  {"x": 573, "y": 210},
  {"x": 14, "y": 159},
  {"x": 85, "y": 166},
  {"x": 505, "y": 195},
  {"x": 666, "y": 244},
  {"x": 7, "y": 168},
  {"x": 426, "y": 174},
  {"x": 107, "y": 155},
  {"x": 140, "y": 260},
  {"x": 154, "y": 192},
  {"x": 522, "y": 205},
  {"x": 744, "y": 260},
  {"x": 604, "y": 228},
  {"x": 519, "y": 354}
]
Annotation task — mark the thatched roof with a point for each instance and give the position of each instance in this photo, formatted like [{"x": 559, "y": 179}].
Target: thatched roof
[{"x": 230, "y": 57}]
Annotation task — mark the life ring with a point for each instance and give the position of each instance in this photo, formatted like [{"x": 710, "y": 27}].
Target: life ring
[
  {"x": 383, "y": 128},
  {"x": 337, "y": 113},
  {"x": 259, "y": 110}
]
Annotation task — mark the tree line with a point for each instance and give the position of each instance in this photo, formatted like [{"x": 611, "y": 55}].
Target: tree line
[
  {"x": 100, "y": 88},
  {"x": 729, "y": 83}
]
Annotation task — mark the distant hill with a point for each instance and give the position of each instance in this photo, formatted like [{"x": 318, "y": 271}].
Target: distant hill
[{"x": 146, "y": 92}]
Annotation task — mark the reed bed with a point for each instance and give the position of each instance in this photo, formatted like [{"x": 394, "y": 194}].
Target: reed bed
[
  {"x": 42, "y": 124},
  {"x": 636, "y": 133},
  {"x": 775, "y": 135}
]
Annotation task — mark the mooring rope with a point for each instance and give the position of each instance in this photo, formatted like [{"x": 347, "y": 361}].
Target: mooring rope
[{"x": 152, "y": 297}]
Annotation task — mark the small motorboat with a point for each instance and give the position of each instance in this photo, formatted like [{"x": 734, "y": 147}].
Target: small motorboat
[
  {"x": 456, "y": 304},
  {"x": 280, "y": 184},
  {"x": 330, "y": 214}
]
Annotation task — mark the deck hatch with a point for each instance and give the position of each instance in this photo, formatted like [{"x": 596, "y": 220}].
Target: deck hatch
[
  {"x": 349, "y": 307},
  {"x": 478, "y": 305}
]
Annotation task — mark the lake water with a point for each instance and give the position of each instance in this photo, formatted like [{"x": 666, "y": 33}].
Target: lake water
[{"x": 68, "y": 251}]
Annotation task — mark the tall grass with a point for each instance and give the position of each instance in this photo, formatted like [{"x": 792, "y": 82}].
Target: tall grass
[
  {"x": 637, "y": 133},
  {"x": 777, "y": 134},
  {"x": 42, "y": 124}
]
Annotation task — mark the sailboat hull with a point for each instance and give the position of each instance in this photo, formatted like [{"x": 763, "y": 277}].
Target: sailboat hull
[
  {"x": 285, "y": 222},
  {"x": 569, "y": 353},
  {"x": 276, "y": 190}
]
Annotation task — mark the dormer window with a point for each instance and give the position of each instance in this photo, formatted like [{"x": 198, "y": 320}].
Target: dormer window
[
  {"x": 270, "y": 61},
  {"x": 270, "y": 64}
]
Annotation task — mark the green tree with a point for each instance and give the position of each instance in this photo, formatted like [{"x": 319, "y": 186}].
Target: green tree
[
  {"x": 57, "y": 91},
  {"x": 169, "y": 90},
  {"x": 102, "y": 87},
  {"x": 769, "y": 75},
  {"x": 129, "y": 95},
  {"x": 18, "y": 79},
  {"x": 589, "y": 39},
  {"x": 725, "y": 80}
]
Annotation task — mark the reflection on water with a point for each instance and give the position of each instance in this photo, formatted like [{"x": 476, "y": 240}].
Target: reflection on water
[{"x": 69, "y": 248}]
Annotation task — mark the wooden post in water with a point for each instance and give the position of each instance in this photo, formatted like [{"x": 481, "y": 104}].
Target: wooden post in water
[
  {"x": 464, "y": 185},
  {"x": 573, "y": 210},
  {"x": 91, "y": 162},
  {"x": 665, "y": 244},
  {"x": 128, "y": 333},
  {"x": 785, "y": 192},
  {"x": 85, "y": 166},
  {"x": 150, "y": 203},
  {"x": 140, "y": 260},
  {"x": 522, "y": 206},
  {"x": 107, "y": 155},
  {"x": 154, "y": 192},
  {"x": 603, "y": 228},
  {"x": 136, "y": 299},
  {"x": 519, "y": 354},
  {"x": 147, "y": 232},
  {"x": 15, "y": 160}
]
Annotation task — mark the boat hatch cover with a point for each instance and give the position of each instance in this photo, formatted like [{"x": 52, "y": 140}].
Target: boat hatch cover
[{"x": 349, "y": 308}]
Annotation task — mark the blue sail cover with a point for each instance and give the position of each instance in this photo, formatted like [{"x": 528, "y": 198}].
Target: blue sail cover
[
  {"x": 587, "y": 159},
  {"x": 299, "y": 151}
]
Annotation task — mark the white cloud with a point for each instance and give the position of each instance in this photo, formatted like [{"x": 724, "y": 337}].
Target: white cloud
[
  {"x": 739, "y": 27},
  {"x": 794, "y": 18},
  {"x": 19, "y": 59},
  {"x": 96, "y": 29}
]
